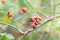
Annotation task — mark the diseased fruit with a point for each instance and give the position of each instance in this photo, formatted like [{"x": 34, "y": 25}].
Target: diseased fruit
[
  {"x": 9, "y": 15},
  {"x": 24, "y": 10}
]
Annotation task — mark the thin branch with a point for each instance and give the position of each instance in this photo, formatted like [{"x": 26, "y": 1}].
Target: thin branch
[
  {"x": 25, "y": 33},
  {"x": 30, "y": 30},
  {"x": 50, "y": 19},
  {"x": 11, "y": 26}
]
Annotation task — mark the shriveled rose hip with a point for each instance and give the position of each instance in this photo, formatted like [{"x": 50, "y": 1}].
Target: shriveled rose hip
[
  {"x": 34, "y": 26},
  {"x": 38, "y": 17},
  {"x": 40, "y": 22},
  {"x": 36, "y": 23}
]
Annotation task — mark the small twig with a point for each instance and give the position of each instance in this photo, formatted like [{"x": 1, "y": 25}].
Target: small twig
[
  {"x": 57, "y": 16},
  {"x": 50, "y": 19},
  {"x": 30, "y": 30},
  {"x": 11, "y": 26},
  {"x": 25, "y": 33},
  {"x": 17, "y": 28}
]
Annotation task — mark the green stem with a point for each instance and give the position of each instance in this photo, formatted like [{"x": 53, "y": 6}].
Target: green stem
[{"x": 36, "y": 10}]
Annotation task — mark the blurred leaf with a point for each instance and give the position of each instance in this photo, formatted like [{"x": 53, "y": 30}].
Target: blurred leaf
[
  {"x": 6, "y": 37},
  {"x": 58, "y": 28},
  {"x": 27, "y": 37},
  {"x": 22, "y": 3},
  {"x": 2, "y": 13},
  {"x": 6, "y": 20}
]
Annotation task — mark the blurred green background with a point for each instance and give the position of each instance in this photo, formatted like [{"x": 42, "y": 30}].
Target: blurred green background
[{"x": 46, "y": 9}]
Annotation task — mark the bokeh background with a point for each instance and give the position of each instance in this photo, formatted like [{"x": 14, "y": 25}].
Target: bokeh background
[{"x": 46, "y": 9}]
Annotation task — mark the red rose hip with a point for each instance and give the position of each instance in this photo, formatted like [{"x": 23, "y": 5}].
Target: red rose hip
[
  {"x": 32, "y": 19},
  {"x": 24, "y": 10},
  {"x": 9, "y": 15}
]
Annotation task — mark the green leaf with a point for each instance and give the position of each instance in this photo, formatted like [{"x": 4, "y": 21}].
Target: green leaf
[
  {"x": 44, "y": 1},
  {"x": 5, "y": 38},
  {"x": 6, "y": 20},
  {"x": 31, "y": 36},
  {"x": 27, "y": 37},
  {"x": 22, "y": 3},
  {"x": 58, "y": 28}
]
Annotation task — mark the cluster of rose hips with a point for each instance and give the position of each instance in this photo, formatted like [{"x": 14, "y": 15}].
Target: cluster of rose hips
[{"x": 36, "y": 20}]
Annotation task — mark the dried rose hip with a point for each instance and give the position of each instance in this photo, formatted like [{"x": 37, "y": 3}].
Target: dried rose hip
[
  {"x": 38, "y": 17},
  {"x": 36, "y": 23},
  {"x": 34, "y": 26},
  {"x": 39, "y": 22}
]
